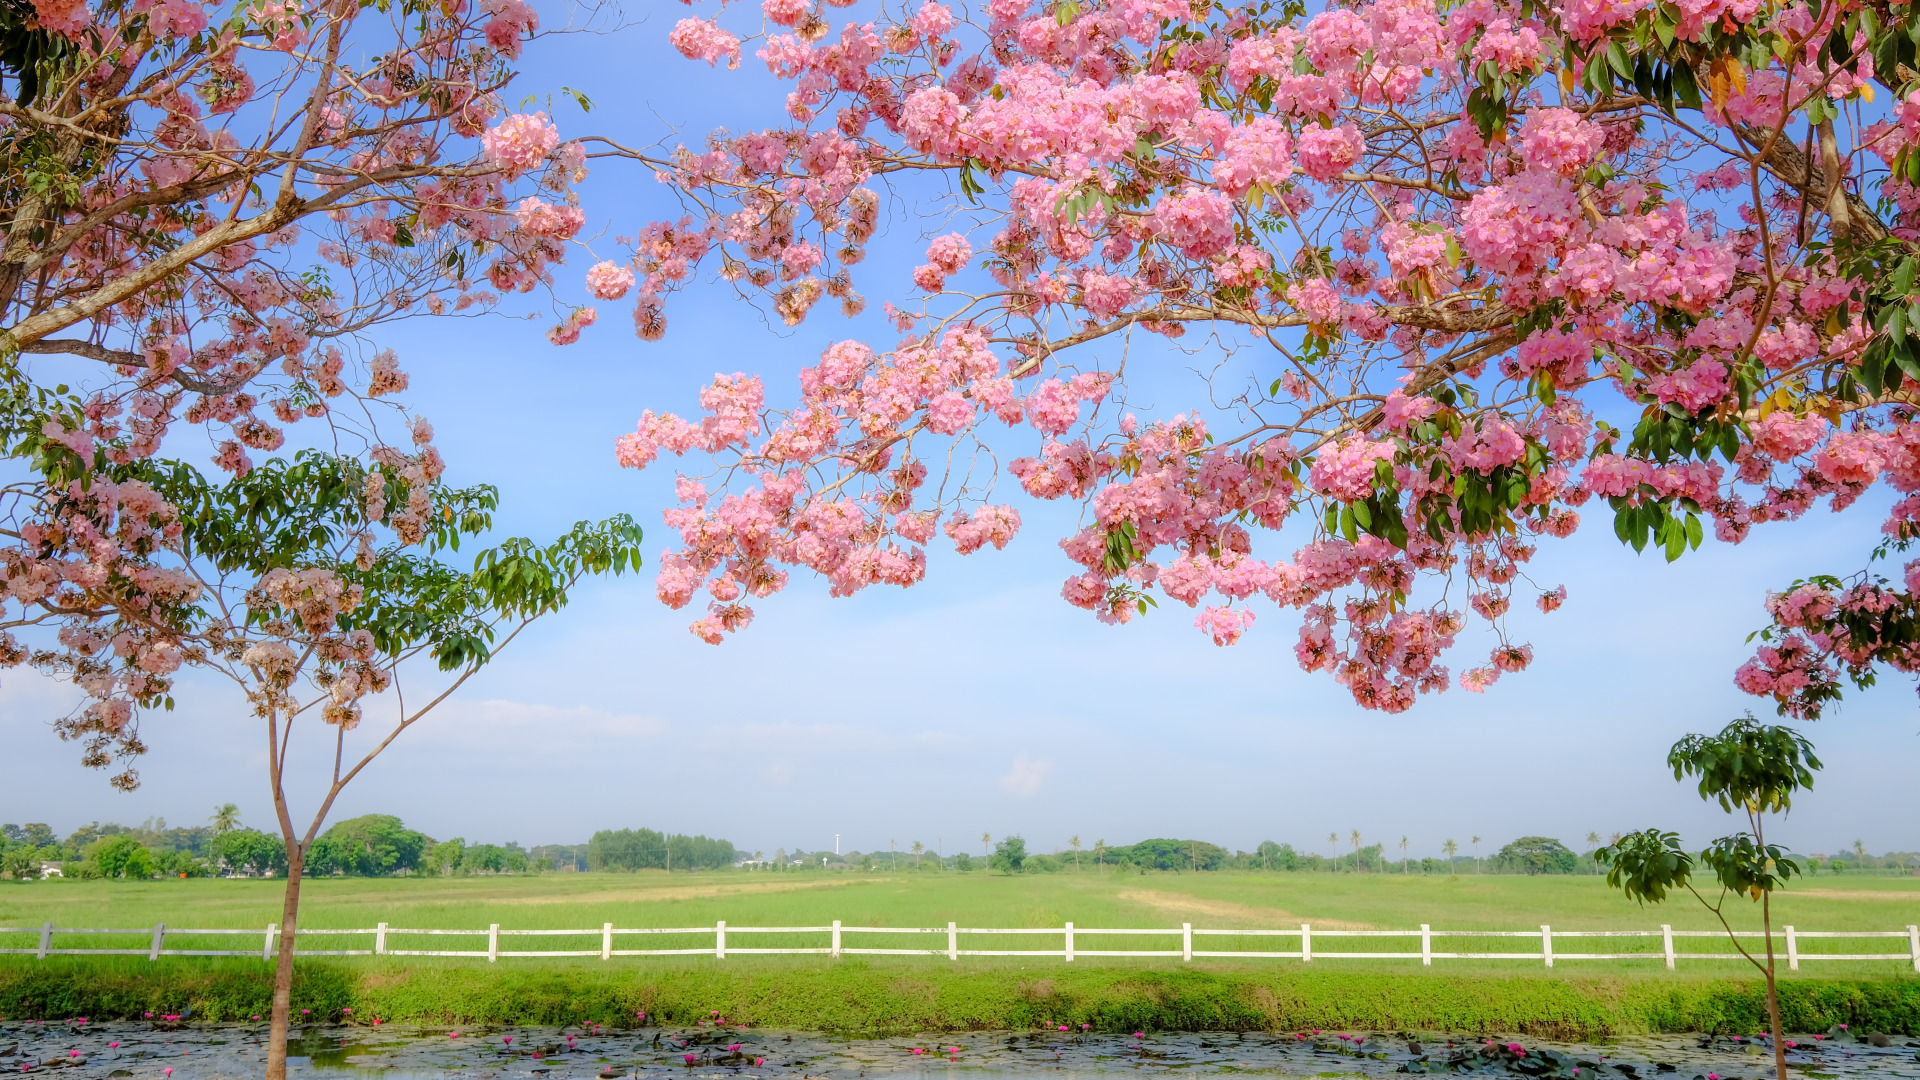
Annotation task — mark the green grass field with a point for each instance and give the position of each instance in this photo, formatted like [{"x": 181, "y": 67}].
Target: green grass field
[
  {"x": 1089, "y": 900},
  {"x": 1576, "y": 998}
]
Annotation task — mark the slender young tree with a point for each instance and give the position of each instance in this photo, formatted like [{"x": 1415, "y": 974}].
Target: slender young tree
[
  {"x": 281, "y": 585},
  {"x": 1074, "y": 842},
  {"x": 1451, "y": 850},
  {"x": 1750, "y": 769}
]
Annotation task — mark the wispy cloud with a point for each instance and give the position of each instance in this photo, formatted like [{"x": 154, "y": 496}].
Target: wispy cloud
[{"x": 1024, "y": 779}]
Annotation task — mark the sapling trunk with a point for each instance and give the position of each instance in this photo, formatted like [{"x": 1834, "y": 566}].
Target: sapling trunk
[
  {"x": 1773, "y": 996},
  {"x": 283, "y": 965}
]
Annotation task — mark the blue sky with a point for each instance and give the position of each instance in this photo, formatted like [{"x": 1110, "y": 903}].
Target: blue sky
[{"x": 978, "y": 702}]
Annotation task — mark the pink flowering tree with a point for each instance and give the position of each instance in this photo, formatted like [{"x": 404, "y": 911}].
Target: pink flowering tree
[
  {"x": 214, "y": 206},
  {"x": 1501, "y": 267},
  {"x": 208, "y": 213},
  {"x": 317, "y": 585}
]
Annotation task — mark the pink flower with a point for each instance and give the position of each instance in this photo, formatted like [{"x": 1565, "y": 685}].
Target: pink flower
[
  {"x": 1337, "y": 39},
  {"x": 520, "y": 142},
  {"x": 784, "y": 12},
  {"x": 703, "y": 39},
  {"x": 1258, "y": 153},
  {"x": 946, "y": 256},
  {"x": 1317, "y": 299},
  {"x": 1224, "y": 624},
  {"x": 1851, "y": 457},
  {"x": 1558, "y": 141},
  {"x": 1324, "y": 153},
  {"x": 949, "y": 414},
  {"x": 1344, "y": 470},
  {"x": 541, "y": 218},
  {"x": 608, "y": 280},
  {"x": 1198, "y": 222},
  {"x": 1509, "y": 50}
]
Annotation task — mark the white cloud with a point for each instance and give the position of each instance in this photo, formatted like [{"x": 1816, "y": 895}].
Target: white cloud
[{"x": 1023, "y": 780}]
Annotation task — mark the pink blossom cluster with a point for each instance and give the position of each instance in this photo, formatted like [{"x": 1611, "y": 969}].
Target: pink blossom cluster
[{"x": 1448, "y": 305}]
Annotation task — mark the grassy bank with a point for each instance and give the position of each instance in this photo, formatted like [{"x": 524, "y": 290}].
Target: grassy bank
[{"x": 880, "y": 998}]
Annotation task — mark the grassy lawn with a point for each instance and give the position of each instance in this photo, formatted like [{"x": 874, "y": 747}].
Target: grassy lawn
[
  {"x": 898, "y": 993},
  {"x": 1089, "y": 900}
]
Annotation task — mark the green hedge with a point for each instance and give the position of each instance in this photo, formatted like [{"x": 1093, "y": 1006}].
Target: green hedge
[{"x": 865, "y": 998}]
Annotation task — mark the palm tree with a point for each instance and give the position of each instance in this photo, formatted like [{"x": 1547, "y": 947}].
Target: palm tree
[
  {"x": 1476, "y": 854},
  {"x": 1860, "y": 854},
  {"x": 986, "y": 845},
  {"x": 1074, "y": 842},
  {"x": 1450, "y": 848},
  {"x": 1593, "y": 844},
  {"x": 1099, "y": 852},
  {"x": 1333, "y": 841},
  {"x": 225, "y": 819},
  {"x": 918, "y": 847},
  {"x": 1355, "y": 838}
]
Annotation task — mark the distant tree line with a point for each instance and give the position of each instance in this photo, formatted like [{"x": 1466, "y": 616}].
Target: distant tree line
[
  {"x": 374, "y": 845},
  {"x": 645, "y": 849},
  {"x": 380, "y": 845}
]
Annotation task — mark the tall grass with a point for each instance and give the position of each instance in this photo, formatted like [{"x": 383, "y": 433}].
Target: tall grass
[{"x": 886, "y": 996}]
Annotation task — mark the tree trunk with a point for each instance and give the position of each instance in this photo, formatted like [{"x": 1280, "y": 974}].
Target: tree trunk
[
  {"x": 1773, "y": 998},
  {"x": 283, "y": 966}
]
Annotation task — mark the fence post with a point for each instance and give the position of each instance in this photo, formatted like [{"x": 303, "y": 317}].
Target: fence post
[
  {"x": 836, "y": 939},
  {"x": 1913, "y": 945},
  {"x": 1426, "y": 945},
  {"x": 46, "y": 938},
  {"x": 953, "y": 942},
  {"x": 1186, "y": 941},
  {"x": 380, "y": 940},
  {"x": 159, "y": 939},
  {"x": 720, "y": 940},
  {"x": 1306, "y": 943},
  {"x": 1069, "y": 943},
  {"x": 266, "y": 943},
  {"x": 493, "y": 942},
  {"x": 1546, "y": 944},
  {"x": 1666, "y": 935},
  {"x": 606, "y": 941},
  {"x": 1793, "y": 950}
]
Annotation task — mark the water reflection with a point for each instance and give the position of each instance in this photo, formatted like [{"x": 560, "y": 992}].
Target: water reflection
[{"x": 122, "y": 1051}]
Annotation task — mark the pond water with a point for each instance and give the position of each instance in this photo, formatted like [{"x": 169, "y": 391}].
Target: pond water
[{"x": 123, "y": 1051}]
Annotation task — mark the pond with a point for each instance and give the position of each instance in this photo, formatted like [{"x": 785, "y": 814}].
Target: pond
[{"x": 126, "y": 1051}]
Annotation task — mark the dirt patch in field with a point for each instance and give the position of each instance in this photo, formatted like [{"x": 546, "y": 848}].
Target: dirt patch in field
[
  {"x": 1855, "y": 894},
  {"x": 1227, "y": 909},
  {"x": 642, "y": 893}
]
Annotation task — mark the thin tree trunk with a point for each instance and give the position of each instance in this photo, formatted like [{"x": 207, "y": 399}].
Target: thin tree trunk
[
  {"x": 1773, "y": 997},
  {"x": 283, "y": 966}
]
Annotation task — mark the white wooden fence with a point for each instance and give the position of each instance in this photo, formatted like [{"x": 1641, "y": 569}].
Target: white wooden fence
[{"x": 1788, "y": 942}]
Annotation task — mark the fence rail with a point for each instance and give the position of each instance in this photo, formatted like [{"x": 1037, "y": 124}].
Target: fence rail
[{"x": 1788, "y": 940}]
